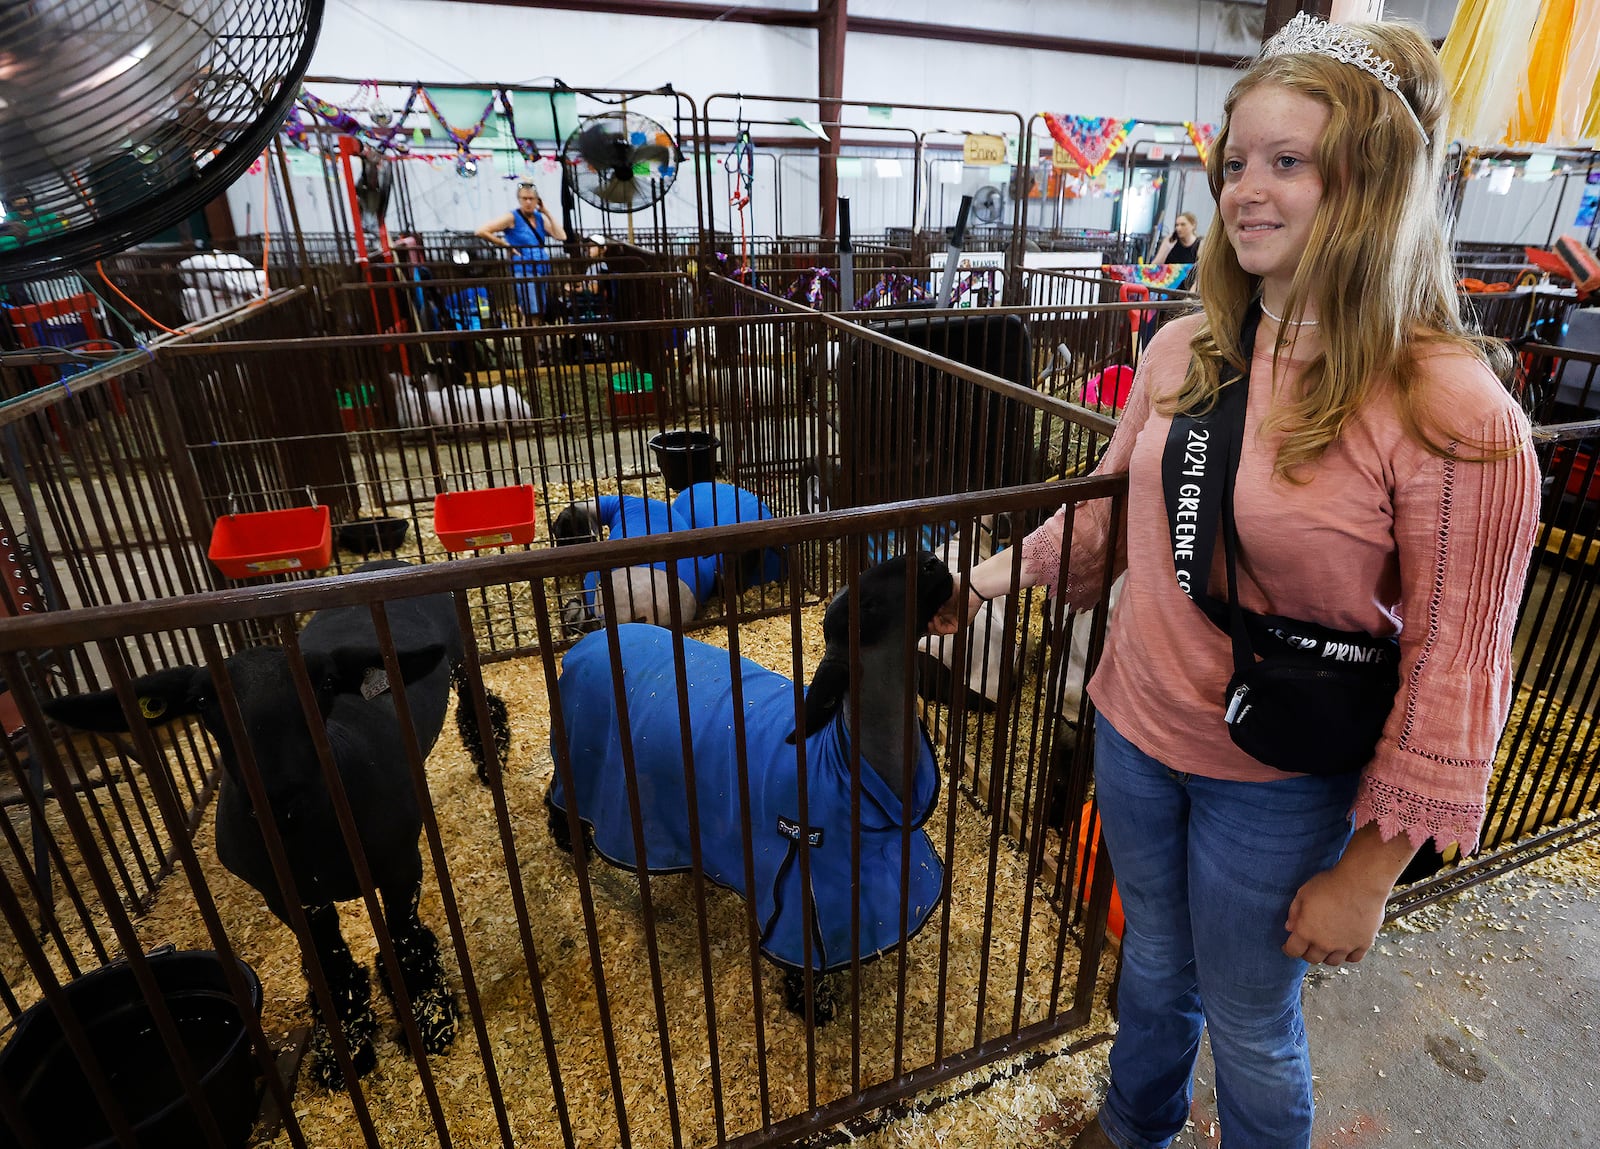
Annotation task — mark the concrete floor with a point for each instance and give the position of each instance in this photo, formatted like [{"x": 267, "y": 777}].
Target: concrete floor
[{"x": 1477, "y": 1025}]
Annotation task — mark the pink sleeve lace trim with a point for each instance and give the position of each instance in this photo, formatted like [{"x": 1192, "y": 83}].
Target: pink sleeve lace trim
[
  {"x": 1464, "y": 530},
  {"x": 1395, "y": 809},
  {"x": 1041, "y": 553}
]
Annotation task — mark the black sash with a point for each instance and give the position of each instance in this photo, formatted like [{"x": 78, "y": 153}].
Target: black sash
[{"x": 1197, "y": 469}]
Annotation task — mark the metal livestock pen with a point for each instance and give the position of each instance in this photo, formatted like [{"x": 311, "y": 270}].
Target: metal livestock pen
[{"x": 633, "y": 1009}]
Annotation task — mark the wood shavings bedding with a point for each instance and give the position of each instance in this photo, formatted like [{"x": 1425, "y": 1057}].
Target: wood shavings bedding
[{"x": 479, "y": 877}]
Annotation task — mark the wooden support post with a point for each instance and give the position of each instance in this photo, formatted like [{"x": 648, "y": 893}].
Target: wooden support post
[{"x": 831, "y": 21}]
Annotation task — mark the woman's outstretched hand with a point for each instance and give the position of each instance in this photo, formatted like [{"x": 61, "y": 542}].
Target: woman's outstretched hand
[{"x": 948, "y": 618}]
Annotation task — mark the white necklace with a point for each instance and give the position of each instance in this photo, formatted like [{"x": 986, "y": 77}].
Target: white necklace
[{"x": 1267, "y": 311}]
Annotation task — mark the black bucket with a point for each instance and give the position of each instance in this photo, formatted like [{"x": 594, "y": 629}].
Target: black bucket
[
  {"x": 39, "y": 1067},
  {"x": 685, "y": 457}
]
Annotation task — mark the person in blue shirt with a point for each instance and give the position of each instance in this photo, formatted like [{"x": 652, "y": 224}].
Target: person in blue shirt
[{"x": 527, "y": 231}]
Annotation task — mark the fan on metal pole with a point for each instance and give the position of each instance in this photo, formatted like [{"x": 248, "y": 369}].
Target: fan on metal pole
[
  {"x": 118, "y": 118},
  {"x": 620, "y": 161}
]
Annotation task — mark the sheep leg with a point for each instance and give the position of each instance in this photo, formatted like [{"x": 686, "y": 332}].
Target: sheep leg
[
  {"x": 560, "y": 831},
  {"x": 352, "y": 1002},
  {"x": 467, "y": 724},
  {"x": 824, "y": 997},
  {"x": 421, "y": 967}
]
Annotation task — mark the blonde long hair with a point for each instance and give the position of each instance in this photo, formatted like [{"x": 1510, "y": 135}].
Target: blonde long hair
[{"x": 1376, "y": 270}]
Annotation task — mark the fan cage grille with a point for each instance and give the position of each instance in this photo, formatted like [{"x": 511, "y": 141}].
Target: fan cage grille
[
  {"x": 125, "y": 116},
  {"x": 592, "y": 184}
]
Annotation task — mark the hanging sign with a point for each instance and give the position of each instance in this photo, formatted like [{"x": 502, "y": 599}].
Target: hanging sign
[
  {"x": 1062, "y": 159},
  {"x": 1540, "y": 167},
  {"x": 984, "y": 150}
]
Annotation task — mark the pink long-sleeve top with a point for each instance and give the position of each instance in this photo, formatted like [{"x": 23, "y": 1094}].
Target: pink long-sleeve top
[{"x": 1386, "y": 537}]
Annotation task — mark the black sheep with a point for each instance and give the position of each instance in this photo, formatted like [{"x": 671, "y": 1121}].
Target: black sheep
[{"x": 345, "y": 667}]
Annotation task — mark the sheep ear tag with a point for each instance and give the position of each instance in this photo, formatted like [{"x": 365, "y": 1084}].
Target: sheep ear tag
[
  {"x": 152, "y": 706},
  {"x": 374, "y": 682}
]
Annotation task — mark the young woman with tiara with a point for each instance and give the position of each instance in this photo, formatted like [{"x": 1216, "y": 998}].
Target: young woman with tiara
[{"x": 1386, "y": 489}]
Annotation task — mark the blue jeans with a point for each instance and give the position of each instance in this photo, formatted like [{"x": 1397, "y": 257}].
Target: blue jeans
[{"x": 1207, "y": 870}]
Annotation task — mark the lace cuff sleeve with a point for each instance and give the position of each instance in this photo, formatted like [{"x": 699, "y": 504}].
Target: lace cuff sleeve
[{"x": 1464, "y": 532}]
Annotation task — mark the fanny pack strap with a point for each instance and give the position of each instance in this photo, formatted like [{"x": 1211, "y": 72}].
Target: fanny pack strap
[{"x": 1198, "y": 471}]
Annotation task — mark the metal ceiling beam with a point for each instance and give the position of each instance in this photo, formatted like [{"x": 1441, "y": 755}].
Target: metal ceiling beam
[
  {"x": 671, "y": 10},
  {"x": 1040, "y": 42},
  {"x": 910, "y": 29}
]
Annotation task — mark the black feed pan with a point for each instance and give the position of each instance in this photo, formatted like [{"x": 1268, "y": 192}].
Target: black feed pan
[
  {"x": 40, "y": 1070},
  {"x": 364, "y": 536}
]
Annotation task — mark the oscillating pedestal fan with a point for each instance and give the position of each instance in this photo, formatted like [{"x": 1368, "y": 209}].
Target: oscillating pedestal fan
[
  {"x": 620, "y": 161},
  {"x": 118, "y": 118}
]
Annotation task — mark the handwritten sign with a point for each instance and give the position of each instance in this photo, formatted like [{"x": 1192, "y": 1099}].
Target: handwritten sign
[{"x": 984, "y": 150}]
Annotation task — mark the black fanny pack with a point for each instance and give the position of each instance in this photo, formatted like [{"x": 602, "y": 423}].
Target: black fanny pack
[{"x": 1303, "y": 698}]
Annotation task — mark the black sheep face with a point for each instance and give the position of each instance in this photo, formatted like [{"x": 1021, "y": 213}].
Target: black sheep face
[
  {"x": 269, "y": 703},
  {"x": 576, "y": 524},
  {"x": 881, "y": 613},
  {"x": 882, "y": 601}
]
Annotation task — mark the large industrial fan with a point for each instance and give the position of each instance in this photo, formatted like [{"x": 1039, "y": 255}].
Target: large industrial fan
[
  {"x": 118, "y": 118},
  {"x": 620, "y": 161}
]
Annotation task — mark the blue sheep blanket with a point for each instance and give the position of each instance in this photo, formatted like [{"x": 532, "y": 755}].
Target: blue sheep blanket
[
  {"x": 628, "y": 516},
  {"x": 595, "y": 742},
  {"x": 711, "y": 504}
]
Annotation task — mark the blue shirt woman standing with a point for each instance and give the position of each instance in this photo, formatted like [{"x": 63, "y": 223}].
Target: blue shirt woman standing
[{"x": 527, "y": 231}]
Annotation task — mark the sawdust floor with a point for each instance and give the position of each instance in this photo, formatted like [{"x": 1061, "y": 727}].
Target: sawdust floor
[{"x": 1022, "y": 932}]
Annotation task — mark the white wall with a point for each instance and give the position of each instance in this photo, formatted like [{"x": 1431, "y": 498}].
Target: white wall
[
  {"x": 491, "y": 45},
  {"x": 434, "y": 40}
]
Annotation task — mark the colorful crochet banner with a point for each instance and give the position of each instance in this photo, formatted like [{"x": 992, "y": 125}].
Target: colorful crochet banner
[
  {"x": 1089, "y": 141},
  {"x": 1202, "y": 136},
  {"x": 895, "y": 288},
  {"x": 813, "y": 281},
  {"x": 1163, "y": 275},
  {"x": 385, "y": 135},
  {"x": 331, "y": 114},
  {"x": 462, "y": 137}
]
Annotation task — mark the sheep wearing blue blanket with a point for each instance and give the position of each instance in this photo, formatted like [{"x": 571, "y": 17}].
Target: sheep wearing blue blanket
[
  {"x": 893, "y": 790},
  {"x": 641, "y": 593},
  {"x": 714, "y": 504}
]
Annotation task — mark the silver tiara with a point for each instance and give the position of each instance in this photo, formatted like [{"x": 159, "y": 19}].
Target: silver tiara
[{"x": 1306, "y": 33}]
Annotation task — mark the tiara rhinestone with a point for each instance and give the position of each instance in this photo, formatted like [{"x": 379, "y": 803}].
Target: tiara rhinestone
[{"x": 1306, "y": 33}]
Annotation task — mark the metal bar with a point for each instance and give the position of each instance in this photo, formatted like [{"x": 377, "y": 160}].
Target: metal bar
[
  {"x": 1041, "y": 42},
  {"x": 831, "y": 26},
  {"x": 241, "y": 603}
]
